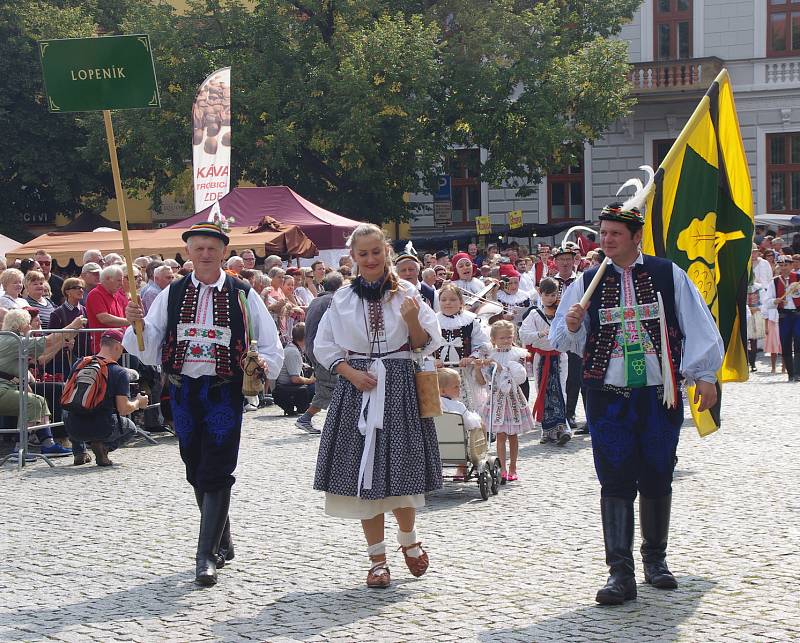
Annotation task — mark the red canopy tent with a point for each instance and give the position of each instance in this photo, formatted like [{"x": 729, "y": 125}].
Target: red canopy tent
[{"x": 248, "y": 206}]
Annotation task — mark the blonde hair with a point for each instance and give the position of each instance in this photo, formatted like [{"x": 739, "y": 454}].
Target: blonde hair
[
  {"x": 70, "y": 283},
  {"x": 9, "y": 275},
  {"x": 502, "y": 324},
  {"x": 33, "y": 275},
  {"x": 452, "y": 288},
  {"x": 15, "y": 319},
  {"x": 448, "y": 377},
  {"x": 370, "y": 229}
]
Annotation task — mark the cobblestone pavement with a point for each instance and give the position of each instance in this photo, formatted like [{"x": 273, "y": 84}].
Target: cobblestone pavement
[{"x": 107, "y": 554}]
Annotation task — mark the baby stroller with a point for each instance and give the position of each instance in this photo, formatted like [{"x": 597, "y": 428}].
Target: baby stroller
[{"x": 467, "y": 450}]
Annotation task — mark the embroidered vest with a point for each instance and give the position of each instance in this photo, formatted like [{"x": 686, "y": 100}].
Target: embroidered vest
[
  {"x": 780, "y": 290},
  {"x": 563, "y": 284},
  {"x": 464, "y": 333},
  {"x": 654, "y": 275},
  {"x": 182, "y": 309}
]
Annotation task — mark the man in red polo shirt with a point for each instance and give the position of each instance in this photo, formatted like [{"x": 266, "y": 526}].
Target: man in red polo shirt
[{"x": 103, "y": 309}]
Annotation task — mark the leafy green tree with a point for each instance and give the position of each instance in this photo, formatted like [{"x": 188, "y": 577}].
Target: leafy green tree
[{"x": 353, "y": 103}]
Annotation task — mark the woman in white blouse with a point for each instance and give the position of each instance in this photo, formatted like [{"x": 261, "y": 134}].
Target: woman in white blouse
[
  {"x": 376, "y": 454},
  {"x": 11, "y": 281}
]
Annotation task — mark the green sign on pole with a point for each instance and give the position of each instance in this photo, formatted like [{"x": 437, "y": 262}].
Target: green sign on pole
[{"x": 89, "y": 74}]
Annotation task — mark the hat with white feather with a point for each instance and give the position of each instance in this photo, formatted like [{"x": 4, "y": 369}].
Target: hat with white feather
[
  {"x": 630, "y": 211},
  {"x": 408, "y": 254}
]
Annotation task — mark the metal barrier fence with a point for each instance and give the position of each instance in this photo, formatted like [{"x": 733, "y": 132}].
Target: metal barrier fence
[{"x": 35, "y": 352}]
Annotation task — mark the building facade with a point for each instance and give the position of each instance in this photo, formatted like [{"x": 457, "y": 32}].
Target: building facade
[{"x": 676, "y": 49}]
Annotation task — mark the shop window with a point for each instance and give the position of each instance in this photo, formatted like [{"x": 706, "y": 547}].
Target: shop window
[{"x": 783, "y": 173}]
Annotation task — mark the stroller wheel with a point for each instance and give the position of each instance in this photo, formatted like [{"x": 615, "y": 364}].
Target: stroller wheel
[
  {"x": 484, "y": 484},
  {"x": 495, "y": 475}
]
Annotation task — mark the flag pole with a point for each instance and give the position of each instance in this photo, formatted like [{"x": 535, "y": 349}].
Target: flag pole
[{"x": 123, "y": 220}]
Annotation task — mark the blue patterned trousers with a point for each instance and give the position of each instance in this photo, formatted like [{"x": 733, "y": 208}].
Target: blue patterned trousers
[
  {"x": 207, "y": 414},
  {"x": 634, "y": 440}
]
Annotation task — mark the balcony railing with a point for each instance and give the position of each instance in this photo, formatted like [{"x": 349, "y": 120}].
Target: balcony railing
[{"x": 673, "y": 76}]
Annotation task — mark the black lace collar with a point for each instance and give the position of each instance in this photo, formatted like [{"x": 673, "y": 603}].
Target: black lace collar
[{"x": 371, "y": 290}]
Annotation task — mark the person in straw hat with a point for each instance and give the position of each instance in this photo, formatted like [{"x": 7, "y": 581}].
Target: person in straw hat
[{"x": 198, "y": 329}]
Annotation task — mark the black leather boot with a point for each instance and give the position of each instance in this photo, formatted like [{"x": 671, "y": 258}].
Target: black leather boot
[
  {"x": 654, "y": 521},
  {"x": 212, "y": 522},
  {"x": 617, "y": 516},
  {"x": 225, "y": 552}
]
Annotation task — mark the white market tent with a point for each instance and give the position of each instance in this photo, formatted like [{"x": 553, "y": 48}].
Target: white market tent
[
  {"x": 785, "y": 220},
  {"x": 7, "y": 245}
]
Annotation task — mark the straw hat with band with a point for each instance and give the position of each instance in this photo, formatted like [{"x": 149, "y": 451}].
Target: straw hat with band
[{"x": 216, "y": 226}]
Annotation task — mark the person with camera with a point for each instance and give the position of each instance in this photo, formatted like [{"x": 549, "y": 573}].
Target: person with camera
[{"x": 106, "y": 426}]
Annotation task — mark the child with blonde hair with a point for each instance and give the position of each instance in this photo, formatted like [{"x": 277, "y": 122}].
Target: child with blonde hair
[
  {"x": 464, "y": 339},
  {"x": 450, "y": 391},
  {"x": 506, "y": 412}
]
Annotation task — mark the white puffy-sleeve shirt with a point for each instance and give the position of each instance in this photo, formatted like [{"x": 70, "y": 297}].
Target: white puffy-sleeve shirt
[
  {"x": 155, "y": 329},
  {"x": 703, "y": 349},
  {"x": 534, "y": 332},
  {"x": 345, "y": 326}
]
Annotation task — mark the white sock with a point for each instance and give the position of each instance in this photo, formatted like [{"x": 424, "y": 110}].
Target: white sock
[
  {"x": 378, "y": 549},
  {"x": 406, "y": 538}
]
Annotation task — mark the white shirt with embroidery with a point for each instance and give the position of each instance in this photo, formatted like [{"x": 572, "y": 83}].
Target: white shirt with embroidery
[
  {"x": 203, "y": 335},
  {"x": 703, "y": 349}
]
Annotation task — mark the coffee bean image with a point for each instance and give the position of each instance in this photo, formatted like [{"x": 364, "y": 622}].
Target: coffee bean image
[
  {"x": 226, "y": 139},
  {"x": 210, "y": 146}
]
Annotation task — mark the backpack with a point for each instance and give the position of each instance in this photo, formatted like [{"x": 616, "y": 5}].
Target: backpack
[{"x": 85, "y": 390}]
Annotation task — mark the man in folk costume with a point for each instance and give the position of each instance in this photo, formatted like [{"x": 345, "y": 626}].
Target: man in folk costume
[
  {"x": 645, "y": 328},
  {"x": 198, "y": 329},
  {"x": 564, "y": 257},
  {"x": 409, "y": 267}
]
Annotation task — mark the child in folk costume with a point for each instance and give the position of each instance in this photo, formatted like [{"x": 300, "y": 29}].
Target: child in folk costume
[
  {"x": 507, "y": 411},
  {"x": 376, "y": 454},
  {"x": 549, "y": 367},
  {"x": 451, "y": 389},
  {"x": 515, "y": 302},
  {"x": 756, "y": 328},
  {"x": 464, "y": 338}
]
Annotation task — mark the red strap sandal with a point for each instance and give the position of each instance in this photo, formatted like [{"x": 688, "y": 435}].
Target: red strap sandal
[
  {"x": 378, "y": 575},
  {"x": 419, "y": 565}
]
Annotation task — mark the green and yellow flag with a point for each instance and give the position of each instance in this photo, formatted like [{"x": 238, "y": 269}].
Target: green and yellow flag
[{"x": 700, "y": 215}]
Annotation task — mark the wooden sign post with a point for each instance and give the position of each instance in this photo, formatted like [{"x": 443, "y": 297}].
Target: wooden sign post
[{"x": 101, "y": 74}]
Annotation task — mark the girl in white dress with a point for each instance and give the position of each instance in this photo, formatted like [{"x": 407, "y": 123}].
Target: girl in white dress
[
  {"x": 464, "y": 339},
  {"x": 376, "y": 454},
  {"x": 507, "y": 411}
]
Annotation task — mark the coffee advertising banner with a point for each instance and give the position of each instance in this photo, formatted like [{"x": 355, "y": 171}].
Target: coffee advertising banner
[{"x": 211, "y": 139}]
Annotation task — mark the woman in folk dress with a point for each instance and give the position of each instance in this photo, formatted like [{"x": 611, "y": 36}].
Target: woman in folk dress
[{"x": 376, "y": 454}]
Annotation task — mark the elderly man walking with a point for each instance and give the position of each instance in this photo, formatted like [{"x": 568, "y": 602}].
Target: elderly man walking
[{"x": 198, "y": 329}]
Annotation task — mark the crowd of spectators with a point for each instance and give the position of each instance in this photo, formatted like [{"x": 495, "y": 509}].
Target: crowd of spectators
[{"x": 33, "y": 296}]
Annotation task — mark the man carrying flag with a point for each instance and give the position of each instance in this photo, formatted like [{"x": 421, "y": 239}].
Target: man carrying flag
[
  {"x": 645, "y": 319},
  {"x": 648, "y": 323}
]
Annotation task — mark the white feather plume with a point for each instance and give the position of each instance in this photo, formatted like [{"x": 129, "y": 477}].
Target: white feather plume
[
  {"x": 639, "y": 198},
  {"x": 409, "y": 249}
]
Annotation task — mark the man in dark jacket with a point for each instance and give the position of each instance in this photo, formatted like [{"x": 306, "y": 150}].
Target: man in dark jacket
[{"x": 325, "y": 380}]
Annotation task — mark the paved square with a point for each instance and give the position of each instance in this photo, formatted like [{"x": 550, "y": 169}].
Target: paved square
[{"x": 94, "y": 554}]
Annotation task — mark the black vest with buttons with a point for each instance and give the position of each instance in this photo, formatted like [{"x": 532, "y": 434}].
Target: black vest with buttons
[{"x": 649, "y": 278}]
